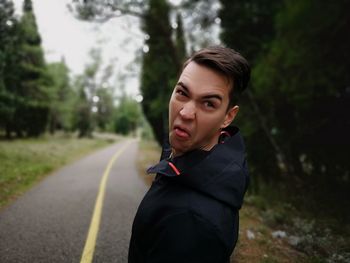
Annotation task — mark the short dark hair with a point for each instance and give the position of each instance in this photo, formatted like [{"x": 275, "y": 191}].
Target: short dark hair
[{"x": 228, "y": 62}]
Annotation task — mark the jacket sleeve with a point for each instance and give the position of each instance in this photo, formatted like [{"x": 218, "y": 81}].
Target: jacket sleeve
[{"x": 186, "y": 238}]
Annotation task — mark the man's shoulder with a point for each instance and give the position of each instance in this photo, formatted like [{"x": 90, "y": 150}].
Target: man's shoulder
[{"x": 187, "y": 201}]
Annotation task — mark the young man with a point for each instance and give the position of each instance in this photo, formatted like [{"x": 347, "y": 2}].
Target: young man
[{"x": 190, "y": 213}]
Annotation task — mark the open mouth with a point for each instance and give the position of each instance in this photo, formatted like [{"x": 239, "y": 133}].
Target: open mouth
[{"x": 182, "y": 133}]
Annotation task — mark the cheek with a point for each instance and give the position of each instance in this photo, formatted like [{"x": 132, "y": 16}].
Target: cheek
[
  {"x": 208, "y": 124},
  {"x": 173, "y": 109},
  {"x": 174, "y": 105}
]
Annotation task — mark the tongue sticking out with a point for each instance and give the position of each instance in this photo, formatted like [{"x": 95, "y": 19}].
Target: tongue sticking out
[{"x": 181, "y": 133}]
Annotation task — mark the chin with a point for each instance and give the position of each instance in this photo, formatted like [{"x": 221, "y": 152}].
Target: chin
[{"x": 178, "y": 147}]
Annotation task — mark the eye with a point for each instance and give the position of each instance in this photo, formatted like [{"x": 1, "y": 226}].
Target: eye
[
  {"x": 209, "y": 104},
  {"x": 181, "y": 92}
]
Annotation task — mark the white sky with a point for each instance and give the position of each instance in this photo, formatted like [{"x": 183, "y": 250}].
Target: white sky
[{"x": 64, "y": 35}]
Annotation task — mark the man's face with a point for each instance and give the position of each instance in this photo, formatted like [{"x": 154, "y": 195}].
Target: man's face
[{"x": 198, "y": 109}]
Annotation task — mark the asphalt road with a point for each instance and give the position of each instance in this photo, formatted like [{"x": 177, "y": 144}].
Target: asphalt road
[{"x": 50, "y": 222}]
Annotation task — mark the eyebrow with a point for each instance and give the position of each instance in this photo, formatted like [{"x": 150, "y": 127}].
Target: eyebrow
[
  {"x": 182, "y": 85},
  {"x": 213, "y": 96},
  {"x": 209, "y": 96}
]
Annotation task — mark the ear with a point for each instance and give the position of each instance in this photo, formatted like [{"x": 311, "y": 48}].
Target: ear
[{"x": 230, "y": 116}]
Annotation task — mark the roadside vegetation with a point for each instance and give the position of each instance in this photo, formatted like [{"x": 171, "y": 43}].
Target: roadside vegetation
[
  {"x": 25, "y": 161},
  {"x": 274, "y": 230},
  {"x": 149, "y": 154}
]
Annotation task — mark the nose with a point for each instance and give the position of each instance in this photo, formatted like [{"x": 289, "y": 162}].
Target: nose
[{"x": 188, "y": 112}]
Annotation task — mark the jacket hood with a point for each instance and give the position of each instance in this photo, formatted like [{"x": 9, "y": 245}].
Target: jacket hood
[{"x": 220, "y": 173}]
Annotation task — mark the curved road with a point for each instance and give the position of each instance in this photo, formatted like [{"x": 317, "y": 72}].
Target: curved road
[{"x": 50, "y": 223}]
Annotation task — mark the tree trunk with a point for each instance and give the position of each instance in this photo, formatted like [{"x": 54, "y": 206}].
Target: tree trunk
[{"x": 281, "y": 157}]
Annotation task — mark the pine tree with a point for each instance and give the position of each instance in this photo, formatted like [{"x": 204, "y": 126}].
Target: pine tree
[
  {"x": 8, "y": 35},
  {"x": 32, "y": 109},
  {"x": 6, "y": 22},
  {"x": 180, "y": 39},
  {"x": 28, "y": 6},
  {"x": 159, "y": 67}
]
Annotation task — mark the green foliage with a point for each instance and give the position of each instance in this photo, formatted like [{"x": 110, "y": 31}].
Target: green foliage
[
  {"x": 86, "y": 86},
  {"x": 299, "y": 92},
  {"x": 8, "y": 36},
  {"x": 34, "y": 80},
  {"x": 63, "y": 97},
  {"x": 6, "y": 29},
  {"x": 83, "y": 118},
  {"x": 303, "y": 82},
  {"x": 24, "y": 81},
  {"x": 105, "y": 108},
  {"x": 146, "y": 132},
  {"x": 248, "y": 26},
  {"x": 94, "y": 104},
  {"x": 127, "y": 116}
]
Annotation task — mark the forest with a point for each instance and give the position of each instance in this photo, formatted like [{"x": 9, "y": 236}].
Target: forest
[{"x": 294, "y": 115}]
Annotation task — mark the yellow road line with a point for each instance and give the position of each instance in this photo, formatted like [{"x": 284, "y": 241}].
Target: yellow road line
[{"x": 90, "y": 244}]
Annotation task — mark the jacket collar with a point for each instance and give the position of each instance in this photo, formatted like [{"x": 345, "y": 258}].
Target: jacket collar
[
  {"x": 230, "y": 146},
  {"x": 220, "y": 173}
]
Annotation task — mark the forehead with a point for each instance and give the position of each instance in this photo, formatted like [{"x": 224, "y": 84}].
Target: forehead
[{"x": 201, "y": 79}]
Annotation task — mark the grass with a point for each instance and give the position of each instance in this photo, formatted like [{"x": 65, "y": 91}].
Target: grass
[
  {"x": 23, "y": 162},
  {"x": 149, "y": 153}
]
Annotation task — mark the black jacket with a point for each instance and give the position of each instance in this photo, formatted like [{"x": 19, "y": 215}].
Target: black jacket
[{"x": 190, "y": 213}]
